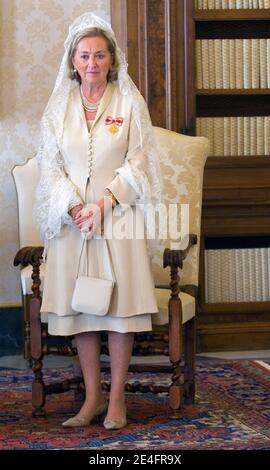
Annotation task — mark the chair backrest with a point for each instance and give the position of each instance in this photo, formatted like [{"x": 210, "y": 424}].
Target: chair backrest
[
  {"x": 26, "y": 179},
  {"x": 182, "y": 160}
]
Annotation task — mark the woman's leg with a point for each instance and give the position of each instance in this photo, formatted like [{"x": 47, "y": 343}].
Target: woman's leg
[
  {"x": 88, "y": 346},
  {"x": 120, "y": 349}
]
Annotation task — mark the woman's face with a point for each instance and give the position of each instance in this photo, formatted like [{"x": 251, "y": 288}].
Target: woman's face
[{"x": 92, "y": 60}]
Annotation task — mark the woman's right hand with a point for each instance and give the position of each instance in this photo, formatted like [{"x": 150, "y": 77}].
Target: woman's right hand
[
  {"x": 75, "y": 211},
  {"x": 89, "y": 219}
]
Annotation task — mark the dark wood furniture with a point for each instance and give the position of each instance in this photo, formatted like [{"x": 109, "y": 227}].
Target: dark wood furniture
[
  {"x": 236, "y": 197},
  {"x": 236, "y": 203},
  {"x": 182, "y": 387},
  {"x": 173, "y": 332},
  {"x": 159, "y": 39}
]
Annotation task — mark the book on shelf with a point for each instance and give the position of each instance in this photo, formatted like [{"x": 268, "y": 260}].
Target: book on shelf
[
  {"x": 232, "y": 63},
  {"x": 260, "y": 136},
  {"x": 255, "y": 63},
  {"x": 236, "y": 135},
  {"x": 253, "y": 136},
  {"x": 263, "y": 63},
  {"x": 227, "y": 131},
  {"x": 212, "y": 66},
  {"x": 231, "y": 4},
  {"x": 268, "y": 61},
  {"x": 225, "y": 61},
  {"x": 247, "y": 63},
  {"x": 218, "y": 136},
  {"x": 237, "y": 275},
  {"x": 239, "y": 63},
  {"x": 267, "y": 135},
  {"x": 246, "y": 122},
  {"x": 198, "y": 55}
]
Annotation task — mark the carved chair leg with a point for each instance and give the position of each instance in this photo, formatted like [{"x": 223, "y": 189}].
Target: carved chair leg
[
  {"x": 176, "y": 391},
  {"x": 79, "y": 395},
  {"x": 38, "y": 386},
  {"x": 189, "y": 367},
  {"x": 30, "y": 255},
  {"x": 26, "y": 330}
]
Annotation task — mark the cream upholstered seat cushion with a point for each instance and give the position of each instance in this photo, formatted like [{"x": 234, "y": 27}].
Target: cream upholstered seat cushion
[
  {"x": 163, "y": 296},
  {"x": 182, "y": 160}
]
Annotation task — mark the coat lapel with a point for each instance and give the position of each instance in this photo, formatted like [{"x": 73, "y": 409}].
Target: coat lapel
[{"x": 104, "y": 103}]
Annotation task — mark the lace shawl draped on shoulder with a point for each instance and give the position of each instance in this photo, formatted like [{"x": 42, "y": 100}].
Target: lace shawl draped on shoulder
[{"x": 56, "y": 194}]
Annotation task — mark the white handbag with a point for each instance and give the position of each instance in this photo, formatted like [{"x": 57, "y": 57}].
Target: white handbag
[{"x": 91, "y": 294}]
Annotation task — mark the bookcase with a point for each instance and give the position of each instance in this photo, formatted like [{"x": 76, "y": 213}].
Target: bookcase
[
  {"x": 229, "y": 102},
  {"x": 160, "y": 40}
]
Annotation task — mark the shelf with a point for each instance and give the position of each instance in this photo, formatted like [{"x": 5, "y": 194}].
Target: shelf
[
  {"x": 237, "y": 29},
  {"x": 231, "y": 15},
  {"x": 221, "y": 105},
  {"x": 233, "y": 91},
  {"x": 238, "y": 162}
]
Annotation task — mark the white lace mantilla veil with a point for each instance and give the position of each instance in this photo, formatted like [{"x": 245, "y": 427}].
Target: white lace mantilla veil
[{"x": 56, "y": 194}]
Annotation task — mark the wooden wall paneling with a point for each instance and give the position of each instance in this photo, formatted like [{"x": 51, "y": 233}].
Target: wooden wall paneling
[
  {"x": 235, "y": 203},
  {"x": 233, "y": 336},
  {"x": 152, "y": 34},
  {"x": 175, "y": 72},
  {"x": 189, "y": 67},
  {"x": 119, "y": 19},
  {"x": 159, "y": 37},
  {"x": 134, "y": 39},
  {"x": 156, "y": 78},
  {"x": 124, "y": 19}
]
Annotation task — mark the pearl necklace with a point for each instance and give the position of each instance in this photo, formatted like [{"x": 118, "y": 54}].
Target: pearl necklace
[{"x": 90, "y": 107}]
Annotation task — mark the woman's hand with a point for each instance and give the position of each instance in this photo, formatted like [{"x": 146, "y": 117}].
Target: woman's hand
[
  {"x": 75, "y": 210},
  {"x": 89, "y": 219}
]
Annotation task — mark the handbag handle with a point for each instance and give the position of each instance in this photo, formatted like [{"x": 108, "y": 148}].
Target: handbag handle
[{"x": 111, "y": 272}]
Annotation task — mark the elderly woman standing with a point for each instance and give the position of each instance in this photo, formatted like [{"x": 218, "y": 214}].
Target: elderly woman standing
[{"x": 96, "y": 153}]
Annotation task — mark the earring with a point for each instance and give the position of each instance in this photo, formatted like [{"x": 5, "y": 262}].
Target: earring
[{"x": 75, "y": 70}]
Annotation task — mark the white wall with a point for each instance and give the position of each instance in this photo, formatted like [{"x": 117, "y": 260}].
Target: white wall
[{"x": 32, "y": 33}]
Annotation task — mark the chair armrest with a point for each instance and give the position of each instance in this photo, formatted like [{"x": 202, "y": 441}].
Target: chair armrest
[
  {"x": 31, "y": 255},
  {"x": 175, "y": 258}
]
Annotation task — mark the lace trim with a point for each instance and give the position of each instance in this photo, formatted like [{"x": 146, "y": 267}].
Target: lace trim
[{"x": 55, "y": 192}]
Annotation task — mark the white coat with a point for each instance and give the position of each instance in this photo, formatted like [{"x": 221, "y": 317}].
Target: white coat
[{"x": 91, "y": 160}]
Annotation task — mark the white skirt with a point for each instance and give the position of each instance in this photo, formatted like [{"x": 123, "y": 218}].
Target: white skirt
[
  {"x": 133, "y": 299},
  {"x": 72, "y": 325}
]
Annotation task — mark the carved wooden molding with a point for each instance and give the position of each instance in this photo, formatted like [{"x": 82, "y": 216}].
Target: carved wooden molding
[{"x": 152, "y": 35}]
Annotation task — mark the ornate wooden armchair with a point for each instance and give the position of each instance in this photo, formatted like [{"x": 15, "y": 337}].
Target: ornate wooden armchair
[{"x": 182, "y": 162}]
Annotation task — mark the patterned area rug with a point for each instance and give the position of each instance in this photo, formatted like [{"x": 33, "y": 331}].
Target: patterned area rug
[{"x": 232, "y": 411}]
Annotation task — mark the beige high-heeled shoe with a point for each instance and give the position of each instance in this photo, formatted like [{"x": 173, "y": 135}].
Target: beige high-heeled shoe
[
  {"x": 85, "y": 420},
  {"x": 116, "y": 423}
]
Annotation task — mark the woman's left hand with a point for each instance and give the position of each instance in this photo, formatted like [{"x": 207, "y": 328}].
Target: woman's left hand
[{"x": 90, "y": 218}]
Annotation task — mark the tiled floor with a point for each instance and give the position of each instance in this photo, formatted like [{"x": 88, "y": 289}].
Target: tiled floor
[{"x": 18, "y": 362}]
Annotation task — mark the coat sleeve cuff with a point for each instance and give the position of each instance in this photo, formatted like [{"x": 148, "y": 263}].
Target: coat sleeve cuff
[{"x": 122, "y": 190}]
